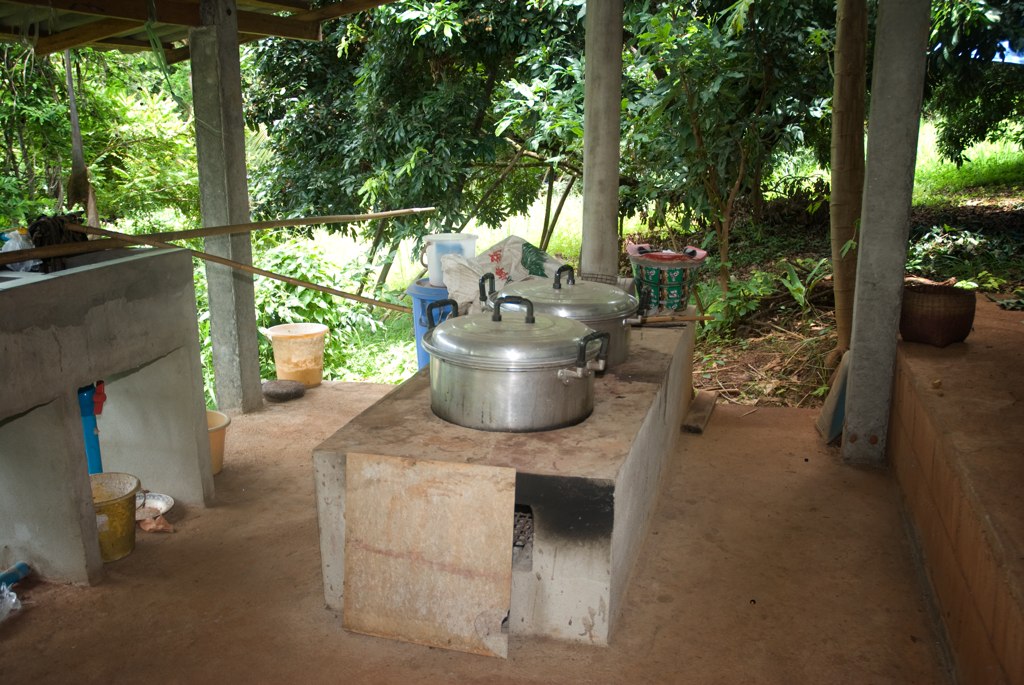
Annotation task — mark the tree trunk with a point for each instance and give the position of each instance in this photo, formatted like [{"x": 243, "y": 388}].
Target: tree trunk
[
  {"x": 847, "y": 159},
  {"x": 723, "y": 258},
  {"x": 550, "y": 178},
  {"x": 757, "y": 194},
  {"x": 549, "y": 231},
  {"x": 78, "y": 185},
  {"x": 382, "y": 278},
  {"x": 378, "y": 236}
]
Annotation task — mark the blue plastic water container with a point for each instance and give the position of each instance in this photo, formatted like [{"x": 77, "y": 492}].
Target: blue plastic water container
[{"x": 423, "y": 294}]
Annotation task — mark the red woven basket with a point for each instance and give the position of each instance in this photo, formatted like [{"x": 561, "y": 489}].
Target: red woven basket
[{"x": 936, "y": 315}]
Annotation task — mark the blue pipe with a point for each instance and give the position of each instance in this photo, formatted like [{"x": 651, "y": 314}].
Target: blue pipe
[
  {"x": 15, "y": 573},
  {"x": 90, "y": 431}
]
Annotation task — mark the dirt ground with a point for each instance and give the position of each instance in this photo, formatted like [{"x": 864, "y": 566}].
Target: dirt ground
[{"x": 768, "y": 562}]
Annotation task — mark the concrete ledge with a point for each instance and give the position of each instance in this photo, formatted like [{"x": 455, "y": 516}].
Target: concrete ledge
[{"x": 955, "y": 444}]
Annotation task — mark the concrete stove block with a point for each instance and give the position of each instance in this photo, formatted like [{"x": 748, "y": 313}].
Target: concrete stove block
[{"x": 591, "y": 487}]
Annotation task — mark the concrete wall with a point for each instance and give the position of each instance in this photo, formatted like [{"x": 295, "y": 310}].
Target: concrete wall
[{"x": 130, "y": 321}]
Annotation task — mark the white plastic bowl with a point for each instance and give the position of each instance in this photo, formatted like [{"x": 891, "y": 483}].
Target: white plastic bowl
[{"x": 149, "y": 505}]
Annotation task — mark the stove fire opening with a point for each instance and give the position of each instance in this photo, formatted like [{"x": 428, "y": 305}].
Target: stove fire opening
[{"x": 522, "y": 538}]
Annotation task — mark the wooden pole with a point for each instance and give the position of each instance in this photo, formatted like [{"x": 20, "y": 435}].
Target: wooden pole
[
  {"x": 63, "y": 250},
  {"x": 68, "y": 249},
  {"x": 148, "y": 241},
  {"x": 667, "y": 318},
  {"x": 278, "y": 223}
]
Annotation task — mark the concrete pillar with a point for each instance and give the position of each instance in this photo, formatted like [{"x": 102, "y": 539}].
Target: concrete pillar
[
  {"x": 601, "y": 127},
  {"x": 896, "y": 91},
  {"x": 224, "y": 199}
]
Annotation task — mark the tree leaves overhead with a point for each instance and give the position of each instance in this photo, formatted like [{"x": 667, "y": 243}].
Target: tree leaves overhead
[
  {"x": 427, "y": 103},
  {"x": 712, "y": 95},
  {"x": 138, "y": 145},
  {"x": 976, "y": 95},
  {"x": 396, "y": 108}
]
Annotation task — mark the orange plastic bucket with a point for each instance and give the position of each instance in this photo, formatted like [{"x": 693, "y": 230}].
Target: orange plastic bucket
[{"x": 299, "y": 352}]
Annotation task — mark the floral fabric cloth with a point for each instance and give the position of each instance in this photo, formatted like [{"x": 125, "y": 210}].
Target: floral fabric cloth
[{"x": 512, "y": 259}]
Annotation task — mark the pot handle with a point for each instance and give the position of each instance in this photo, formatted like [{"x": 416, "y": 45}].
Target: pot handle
[
  {"x": 584, "y": 343},
  {"x": 571, "y": 280},
  {"x": 646, "y": 298},
  {"x": 513, "y": 299},
  {"x": 437, "y": 305},
  {"x": 486, "y": 278}
]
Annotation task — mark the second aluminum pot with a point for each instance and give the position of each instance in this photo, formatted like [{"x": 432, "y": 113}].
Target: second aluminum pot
[
  {"x": 598, "y": 305},
  {"x": 512, "y": 372}
]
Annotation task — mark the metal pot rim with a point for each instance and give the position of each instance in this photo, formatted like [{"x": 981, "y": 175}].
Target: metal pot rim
[
  {"x": 510, "y": 352},
  {"x": 583, "y": 301}
]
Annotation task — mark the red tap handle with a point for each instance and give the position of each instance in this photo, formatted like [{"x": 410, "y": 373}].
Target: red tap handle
[{"x": 99, "y": 398}]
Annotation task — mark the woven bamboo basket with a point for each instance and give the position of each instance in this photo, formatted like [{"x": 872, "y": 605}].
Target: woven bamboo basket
[{"x": 936, "y": 315}]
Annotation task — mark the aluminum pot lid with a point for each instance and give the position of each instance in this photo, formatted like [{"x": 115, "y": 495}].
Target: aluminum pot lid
[
  {"x": 478, "y": 341},
  {"x": 582, "y": 300}
]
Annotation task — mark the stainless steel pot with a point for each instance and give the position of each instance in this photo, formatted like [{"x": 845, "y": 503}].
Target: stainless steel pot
[
  {"x": 517, "y": 373},
  {"x": 602, "y": 307}
]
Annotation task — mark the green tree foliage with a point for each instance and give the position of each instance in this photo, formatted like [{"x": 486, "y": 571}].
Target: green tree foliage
[
  {"x": 139, "y": 145},
  {"x": 396, "y": 109},
  {"x": 975, "y": 95},
  {"x": 715, "y": 96},
  {"x": 36, "y": 132},
  {"x": 427, "y": 103}
]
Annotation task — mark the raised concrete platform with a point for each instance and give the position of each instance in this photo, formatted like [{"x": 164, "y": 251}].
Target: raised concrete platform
[
  {"x": 131, "y": 322},
  {"x": 955, "y": 438},
  {"x": 592, "y": 487}
]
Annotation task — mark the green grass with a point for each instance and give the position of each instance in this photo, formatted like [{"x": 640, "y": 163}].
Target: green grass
[
  {"x": 998, "y": 165},
  {"x": 387, "y": 355}
]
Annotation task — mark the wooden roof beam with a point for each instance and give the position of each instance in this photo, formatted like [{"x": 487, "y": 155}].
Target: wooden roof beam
[
  {"x": 127, "y": 45},
  {"x": 341, "y": 9},
  {"x": 183, "y": 14},
  {"x": 338, "y": 9},
  {"x": 82, "y": 35},
  {"x": 280, "y": 5}
]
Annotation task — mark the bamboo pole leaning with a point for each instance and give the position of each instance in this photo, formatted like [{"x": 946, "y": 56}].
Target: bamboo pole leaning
[
  {"x": 69, "y": 249},
  {"x": 63, "y": 250},
  {"x": 151, "y": 242}
]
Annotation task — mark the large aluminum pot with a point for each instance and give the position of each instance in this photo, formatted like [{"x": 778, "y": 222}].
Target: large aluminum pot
[
  {"x": 598, "y": 305},
  {"x": 517, "y": 373}
]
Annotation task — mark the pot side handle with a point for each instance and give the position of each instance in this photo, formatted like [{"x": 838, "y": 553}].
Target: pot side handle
[
  {"x": 584, "y": 343},
  {"x": 513, "y": 299},
  {"x": 646, "y": 297},
  {"x": 486, "y": 278},
  {"x": 438, "y": 305}
]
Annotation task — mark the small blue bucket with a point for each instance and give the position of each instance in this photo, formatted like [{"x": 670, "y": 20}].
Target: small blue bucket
[{"x": 423, "y": 294}]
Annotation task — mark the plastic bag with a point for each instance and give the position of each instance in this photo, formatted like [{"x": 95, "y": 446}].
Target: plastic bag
[
  {"x": 511, "y": 259},
  {"x": 19, "y": 240},
  {"x": 9, "y": 602}
]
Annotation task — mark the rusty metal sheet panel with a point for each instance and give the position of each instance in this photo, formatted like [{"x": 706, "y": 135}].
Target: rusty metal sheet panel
[{"x": 428, "y": 551}]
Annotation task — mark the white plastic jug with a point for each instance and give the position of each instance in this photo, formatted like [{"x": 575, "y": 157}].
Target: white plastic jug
[{"x": 439, "y": 244}]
